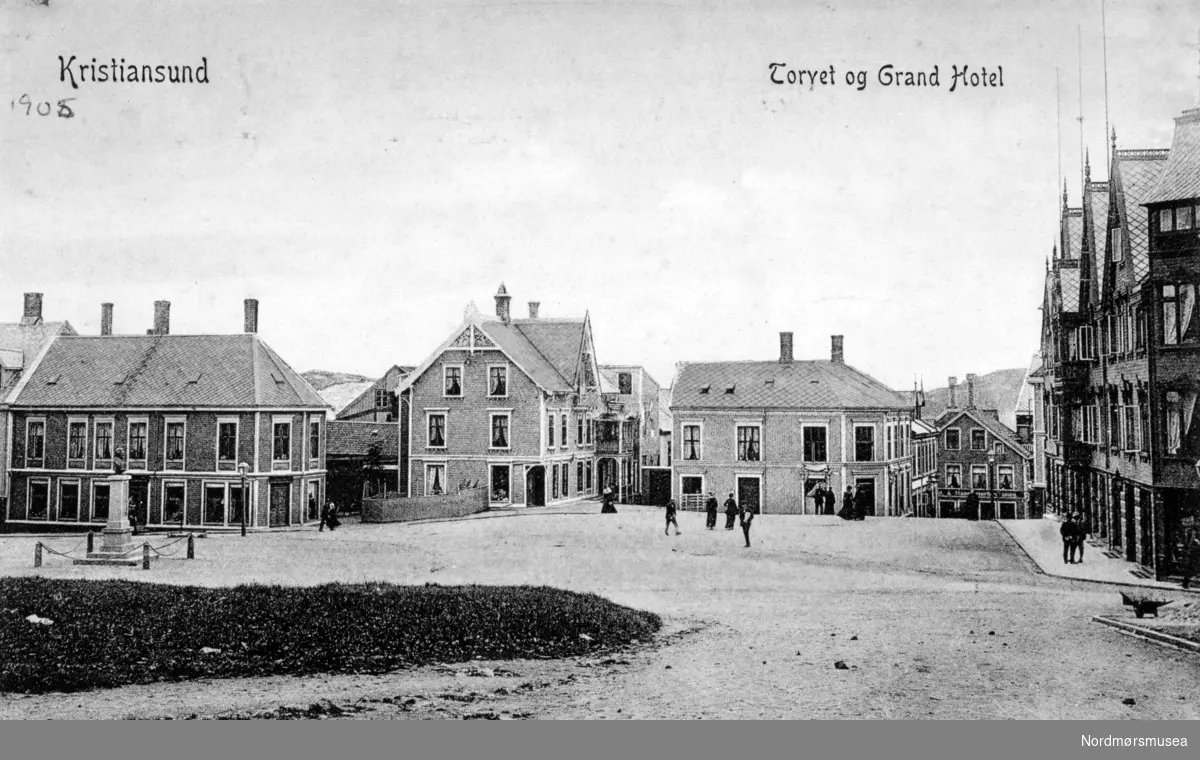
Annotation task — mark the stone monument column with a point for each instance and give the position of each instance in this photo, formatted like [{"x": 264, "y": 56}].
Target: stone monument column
[{"x": 117, "y": 546}]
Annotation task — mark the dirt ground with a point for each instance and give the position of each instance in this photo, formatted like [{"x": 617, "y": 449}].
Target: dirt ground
[{"x": 929, "y": 619}]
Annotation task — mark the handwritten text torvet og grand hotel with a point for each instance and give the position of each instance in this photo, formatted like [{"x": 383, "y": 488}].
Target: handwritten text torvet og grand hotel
[{"x": 887, "y": 76}]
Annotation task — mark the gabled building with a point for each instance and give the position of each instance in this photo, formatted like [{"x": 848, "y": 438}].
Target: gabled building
[
  {"x": 20, "y": 345},
  {"x": 362, "y": 460},
  {"x": 379, "y": 402},
  {"x": 513, "y": 405},
  {"x": 1031, "y": 431},
  {"x": 187, "y": 410},
  {"x": 632, "y": 394},
  {"x": 770, "y": 432}
]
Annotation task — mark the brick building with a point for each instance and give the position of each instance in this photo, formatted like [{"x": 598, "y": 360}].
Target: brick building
[
  {"x": 20, "y": 344},
  {"x": 770, "y": 432},
  {"x": 186, "y": 409},
  {"x": 633, "y": 397},
  {"x": 514, "y": 405}
]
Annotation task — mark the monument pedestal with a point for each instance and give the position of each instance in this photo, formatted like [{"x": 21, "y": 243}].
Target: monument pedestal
[{"x": 117, "y": 546}]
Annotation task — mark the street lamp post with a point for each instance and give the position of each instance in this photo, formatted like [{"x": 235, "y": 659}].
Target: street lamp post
[
  {"x": 992, "y": 483},
  {"x": 244, "y": 468}
]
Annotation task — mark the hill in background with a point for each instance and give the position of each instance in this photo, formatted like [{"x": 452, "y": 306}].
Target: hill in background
[
  {"x": 995, "y": 390},
  {"x": 321, "y": 379}
]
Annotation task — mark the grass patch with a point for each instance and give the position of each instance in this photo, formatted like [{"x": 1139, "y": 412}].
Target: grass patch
[{"x": 114, "y": 633}]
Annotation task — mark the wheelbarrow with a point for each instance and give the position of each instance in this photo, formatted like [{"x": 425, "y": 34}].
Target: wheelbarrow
[{"x": 1143, "y": 604}]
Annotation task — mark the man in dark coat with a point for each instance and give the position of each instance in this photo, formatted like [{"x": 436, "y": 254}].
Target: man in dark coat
[
  {"x": 1069, "y": 532},
  {"x": 860, "y": 505},
  {"x": 847, "y": 512},
  {"x": 671, "y": 518},
  {"x": 1082, "y": 530},
  {"x": 747, "y": 518},
  {"x": 731, "y": 512},
  {"x": 711, "y": 507},
  {"x": 828, "y": 502}
]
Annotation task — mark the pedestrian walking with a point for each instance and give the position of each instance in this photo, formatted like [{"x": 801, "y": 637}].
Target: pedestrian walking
[
  {"x": 1068, "y": 531},
  {"x": 860, "y": 505},
  {"x": 828, "y": 501},
  {"x": 1190, "y": 555},
  {"x": 731, "y": 512},
  {"x": 747, "y": 518},
  {"x": 847, "y": 512},
  {"x": 329, "y": 517},
  {"x": 607, "y": 502},
  {"x": 1082, "y": 531},
  {"x": 671, "y": 519},
  {"x": 710, "y": 506}
]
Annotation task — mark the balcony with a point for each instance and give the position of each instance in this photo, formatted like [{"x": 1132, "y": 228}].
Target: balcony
[{"x": 1074, "y": 452}]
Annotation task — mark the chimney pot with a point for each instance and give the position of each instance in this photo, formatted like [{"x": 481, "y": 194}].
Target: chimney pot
[
  {"x": 33, "y": 309},
  {"x": 251, "y": 315},
  {"x": 106, "y": 316},
  {"x": 533, "y": 309},
  {"x": 837, "y": 353},
  {"x": 953, "y": 392},
  {"x": 970, "y": 391},
  {"x": 785, "y": 348},
  {"x": 162, "y": 317},
  {"x": 503, "y": 300}
]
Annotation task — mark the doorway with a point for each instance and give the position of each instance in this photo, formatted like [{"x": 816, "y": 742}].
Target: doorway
[
  {"x": 281, "y": 502},
  {"x": 535, "y": 486},
  {"x": 1130, "y": 525},
  {"x": 864, "y": 495},
  {"x": 749, "y": 494}
]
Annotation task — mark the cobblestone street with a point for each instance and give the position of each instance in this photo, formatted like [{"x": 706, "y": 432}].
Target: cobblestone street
[{"x": 931, "y": 619}]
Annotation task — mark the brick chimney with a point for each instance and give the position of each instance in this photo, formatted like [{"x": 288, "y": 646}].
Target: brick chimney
[
  {"x": 162, "y": 317},
  {"x": 837, "y": 354},
  {"x": 953, "y": 393},
  {"x": 970, "y": 391},
  {"x": 785, "y": 348},
  {"x": 251, "y": 315},
  {"x": 33, "y": 309},
  {"x": 503, "y": 299},
  {"x": 533, "y": 309},
  {"x": 106, "y": 311}
]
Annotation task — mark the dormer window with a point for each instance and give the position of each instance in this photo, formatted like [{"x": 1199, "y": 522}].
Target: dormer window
[
  {"x": 730, "y": 389},
  {"x": 704, "y": 389}
]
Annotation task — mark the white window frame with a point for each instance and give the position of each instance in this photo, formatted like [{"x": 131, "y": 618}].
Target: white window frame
[
  {"x": 283, "y": 419},
  {"x": 564, "y": 429},
  {"x": 999, "y": 476},
  {"x": 491, "y": 487},
  {"x": 462, "y": 380},
  {"x": 78, "y": 499},
  {"x": 762, "y": 502},
  {"x": 314, "y": 455},
  {"x": 29, "y": 484},
  {"x": 984, "y": 447},
  {"x": 167, "y": 422},
  {"x": 145, "y": 460},
  {"x": 29, "y": 421},
  {"x": 112, "y": 443},
  {"x": 204, "y": 486},
  {"x": 683, "y": 426},
  {"x": 445, "y": 415},
  {"x": 749, "y": 424},
  {"x": 162, "y": 516},
  {"x": 237, "y": 441},
  {"x": 946, "y": 439},
  {"x": 92, "y": 502},
  {"x": 703, "y": 483},
  {"x": 76, "y": 463},
  {"x": 874, "y": 442},
  {"x": 492, "y": 415},
  {"x": 956, "y": 466},
  {"x": 445, "y": 474},
  {"x": 304, "y": 518},
  {"x": 975, "y": 468},
  {"x": 550, "y": 429},
  {"x": 507, "y": 375}
]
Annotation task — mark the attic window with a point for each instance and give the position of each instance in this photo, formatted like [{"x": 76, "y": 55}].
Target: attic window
[
  {"x": 769, "y": 381},
  {"x": 121, "y": 380},
  {"x": 277, "y": 378},
  {"x": 53, "y": 380},
  {"x": 705, "y": 388},
  {"x": 195, "y": 378},
  {"x": 729, "y": 390}
]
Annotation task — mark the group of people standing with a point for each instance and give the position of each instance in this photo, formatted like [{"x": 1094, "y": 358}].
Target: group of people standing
[
  {"x": 733, "y": 513},
  {"x": 1074, "y": 532}
]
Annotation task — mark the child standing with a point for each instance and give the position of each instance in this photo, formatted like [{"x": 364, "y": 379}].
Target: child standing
[{"x": 671, "y": 519}]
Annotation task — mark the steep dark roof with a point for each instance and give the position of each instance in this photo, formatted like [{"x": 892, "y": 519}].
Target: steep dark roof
[
  {"x": 1068, "y": 279},
  {"x": 546, "y": 349},
  {"x": 1135, "y": 173},
  {"x": 349, "y": 438},
  {"x": 1072, "y": 233},
  {"x": 1097, "y": 197},
  {"x": 1180, "y": 179},
  {"x": 799, "y": 385},
  {"x": 236, "y": 371}
]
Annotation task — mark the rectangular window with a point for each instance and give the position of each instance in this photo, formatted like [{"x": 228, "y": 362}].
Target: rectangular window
[
  {"x": 499, "y": 431},
  {"x": 137, "y": 442},
  {"x": 978, "y": 440},
  {"x": 691, "y": 442},
  {"x": 104, "y": 440},
  {"x": 214, "y": 505},
  {"x": 35, "y": 447},
  {"x": 382, "y": 399},
  {"x": 100, "y": 495},
  {"x": 588, "y": 473},
  {"x": 175, "y": 433},
  {"x": 1132, "y": 428},
  {"x": 979, "y": 476},
  {"x": 1183, "y": 218},
  {"x": 1114, "y": 244},
  {"x": 314, "y": 439},
  {"x": 579, "y": 476},
  {"x": 497, "y": 381},
  {"x": 554, "y": 482},
  {"x": 500, "y": 482},
  {"x": 453, "y": 385},
  {"x": 1087, "y": 343},
  {"x": 749, "y": 444},
  {"x": 173, "y": 503},
  {"x": 235, "y": 503},
  {"x": 281, "y": 447},
  {"x": 590, "y": 425},
  {"x": 566, "y": 480},
  {"x": 625, "y": 383},
  {"x": 815, "y": 444},
  {"x": 435, "y": 479},
  {"x": 864, "y": 443},
  {"x": 1180, "y": 322},
  {"x": 437, "y": 431},
  {"x": 227, "y": 433},
  {"x": 1005, "y": 477},
  {"x": 579, "y": 429},
  {"x": 39, "y": 500},
  {"x": 77, "y": 440},
  {"x": 563, "y": 430},
  {"x": 952, "y": 439},
  {"x": 550, "y": 431},
  {"x": 1166, "y": 220},
  {"x": 68, "y": 500}
]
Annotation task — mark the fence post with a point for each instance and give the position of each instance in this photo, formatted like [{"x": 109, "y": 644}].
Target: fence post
[
  {"x": 37, "y": 555},
  {"x": 146, "y": 556},
  {"x": 91, "y": 538},
  {"x": 191, "y": 546}
]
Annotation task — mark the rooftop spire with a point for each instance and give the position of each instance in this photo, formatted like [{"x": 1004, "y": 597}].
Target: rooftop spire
[
  {"x": 1064, "y": 195},
  {"x": 1114, "y": 139}
]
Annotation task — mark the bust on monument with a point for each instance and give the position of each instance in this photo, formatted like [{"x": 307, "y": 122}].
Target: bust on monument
[{"x": 118, "y": 461}]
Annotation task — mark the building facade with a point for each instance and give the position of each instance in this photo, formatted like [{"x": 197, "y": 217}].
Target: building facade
[
  {"x": 513, "y": 405},
  {"x": 186, "y": 410},
  {"x": 632, "y": 394},
  {"x": 1120, "y": 381},
  {"x": 378, "y": 403},
  {"x": 770, "y": 432}
]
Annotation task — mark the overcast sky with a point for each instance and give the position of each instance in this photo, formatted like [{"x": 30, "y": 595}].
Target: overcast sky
[{"x": 366, "y": 169}]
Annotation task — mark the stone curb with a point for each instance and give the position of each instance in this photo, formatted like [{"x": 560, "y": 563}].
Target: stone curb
[{"x": 1158, "y": 637}]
